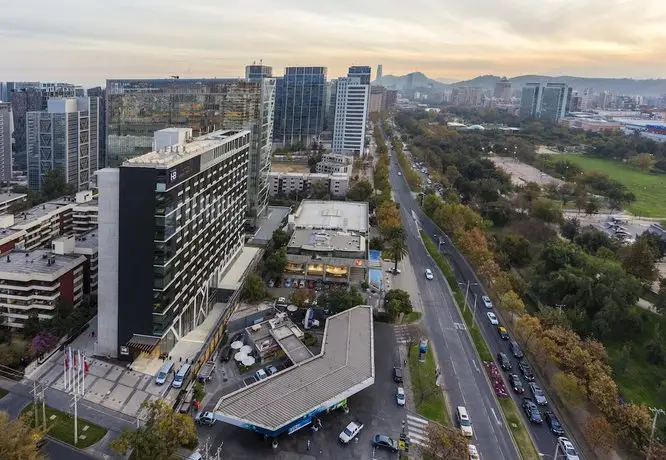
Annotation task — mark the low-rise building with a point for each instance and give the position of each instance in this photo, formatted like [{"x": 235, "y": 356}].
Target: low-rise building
[
  {"x": 44, "y": 222},
  {"x": 31, "y": 282},
  {"x": 85, "y": 245},
  {"x": 347, "y": 216},
  {"x": 334, "y": 163},
  {"x": 285, "y": 183},
  {"x": 85, "y": 213},
  {"x": 7, "y": 200}
]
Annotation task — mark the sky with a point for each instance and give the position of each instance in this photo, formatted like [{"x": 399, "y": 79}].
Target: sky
[{"x": 87, "y": 41}]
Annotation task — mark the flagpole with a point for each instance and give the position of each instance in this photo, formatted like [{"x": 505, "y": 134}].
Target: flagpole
[{"x": 64, "y": 364}]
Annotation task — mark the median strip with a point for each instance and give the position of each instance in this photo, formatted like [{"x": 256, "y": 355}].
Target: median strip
[
  {"x": 428, "y": 396},
  {"x": 518, "y": 430}
]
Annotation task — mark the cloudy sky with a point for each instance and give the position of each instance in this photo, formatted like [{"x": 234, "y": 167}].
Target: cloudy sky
[{"x": 87, "y": 41}]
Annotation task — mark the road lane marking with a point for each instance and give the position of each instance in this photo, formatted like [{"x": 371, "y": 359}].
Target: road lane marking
[
  {"x": 495, "y": 415},
  {"x": 475, "y": 366}
]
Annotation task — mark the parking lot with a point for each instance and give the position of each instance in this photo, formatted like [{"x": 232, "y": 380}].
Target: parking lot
[{"x": 375, "y": 407}]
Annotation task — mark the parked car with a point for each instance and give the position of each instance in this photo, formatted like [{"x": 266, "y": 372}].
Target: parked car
[
  {"x": 270, "y": 370},
  {"x": 400, "y": 396},
  {"x": 516, "y": 384},
  {"x": 301, "y": 284},
  {"x": 567, "y": 449},
  {"x": 287, "y": 283},
  {"x": 227, "y": 353},
  {"x": 205, "y": 418},
  {"x": 504, "y": 361},
  {"x": 526, "y": 370},
  {"x": 473, "y": 452},
  {"x": 428, "y": 274},
  {"x": 503, "y": 333},
  {"x": 515, "y": 349},
  {"x": 538, "y": 394},
  {"x": 271, "y": 283},
  {"x": 554, "y": 423},
  {"x": 350, "y": 431},
  {"x": 487, "y": 302},
  {"x": 260, "y": 374},
  {"x": 492, "y": 318},
  {"x": 532, "y": 411},
  {"x": 397, "y": 374},
  {"x": 384, "y": 442}
]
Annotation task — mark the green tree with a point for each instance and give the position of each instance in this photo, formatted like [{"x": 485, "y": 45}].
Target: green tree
[
  {"x": 253, "y": 288},
  {"x": 199, "y": 391},
  {"x": 299, "y": 297},
  {"x": 360, "y": 191},
  {"x": 163, "y": 433},
  {"x": 570, "y": 228},
  {"x": 512, "y": 303},
  {"x": 444, "y": 443},
  {"x": 660, "y": 304},
  {"x": 517, "y": 248},
  {"x": 546, "y": 210},
  {"x": 276, "y": 262},
  {"x": 18, "y": 440},
  {"x": 340, "y": 299},
  {"x": 280, "y": 238},
  {"x": 54, "y": 185},
  {"x": 592, "y": 206},
  {"x": 397, "y": 301},
  {"x": 639, "y": 259},
  {"x": 32, "y": 326},
  {"x": 397, "y": 247}
]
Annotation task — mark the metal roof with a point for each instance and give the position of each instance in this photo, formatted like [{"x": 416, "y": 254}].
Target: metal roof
[{"x": 345, "y": 361}]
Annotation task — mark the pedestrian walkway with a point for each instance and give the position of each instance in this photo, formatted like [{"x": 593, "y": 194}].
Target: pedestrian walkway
[
  {"x": 417, "y": 429},
  {"x": 402, "y": 333}
]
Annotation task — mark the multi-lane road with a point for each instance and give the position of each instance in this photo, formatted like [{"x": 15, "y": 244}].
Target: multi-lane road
[
  {"x": 442, "y": 313},
  {"x": 462, "y": 373}
]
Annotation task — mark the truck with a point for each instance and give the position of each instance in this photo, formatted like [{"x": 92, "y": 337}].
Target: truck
[
  {"x": 350, "y": 431},
  {"x": 206, "y": 371}
]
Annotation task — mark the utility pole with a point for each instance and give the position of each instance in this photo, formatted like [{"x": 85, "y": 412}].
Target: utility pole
[
  {"x": 43, "y": 408},
  {"x": 557, "y": 450},
  {"x": 656, "y": 412},
  {"x": 76, "y": 417},
  {"x": 218, "y": 454},
  {"x": 34, "y": 401}
]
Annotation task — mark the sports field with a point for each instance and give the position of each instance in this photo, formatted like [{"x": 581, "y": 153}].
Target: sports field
[{"x": 650, "y": 189}]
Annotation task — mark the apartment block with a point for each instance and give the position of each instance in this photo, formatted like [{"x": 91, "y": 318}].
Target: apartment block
[{"x": 285, "y": 183}]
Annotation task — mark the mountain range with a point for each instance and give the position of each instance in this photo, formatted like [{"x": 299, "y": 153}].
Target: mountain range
[{"x": 626, "y": 86}]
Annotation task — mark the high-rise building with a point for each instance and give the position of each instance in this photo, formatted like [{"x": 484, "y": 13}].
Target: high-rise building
[
  {"x": 258, "y": 71},
  {"x": 467, "y": 96},
  {"x": 364, "y": 72},
  {"x": 100, "y": 92},
  {"x": 301, "y": 104},
  {"x": 138, "y": 108},
  {"x": 329, "y": 104},
  {"x": 65, "y": 137},
  {"x": 503, "y": 89},
  {"x": 555, "y": 100},
  {"x": 351, "y": 111},
  {"x": 379, "y": 72},
  {"x": 6, "y": 135},
  {"x": 530, "y": 100},
  {"x": 377, "y": 100},
  {"x": 170, "y": 223}
]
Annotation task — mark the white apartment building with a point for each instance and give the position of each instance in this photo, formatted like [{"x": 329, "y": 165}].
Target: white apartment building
[
  {"x": 284, "y": 183},
  {"x": 351, "y": 116},
  {"x": 334, "y": 163}
]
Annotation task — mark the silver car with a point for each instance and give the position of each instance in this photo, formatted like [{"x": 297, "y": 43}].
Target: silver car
[{"x": 539, "y": 396}]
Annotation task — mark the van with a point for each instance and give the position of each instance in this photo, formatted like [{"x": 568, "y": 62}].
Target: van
[
  {"x": 182, "y": 374},
  {"x": 164, "y": 372},
  {"x": 463, "y": 421}
]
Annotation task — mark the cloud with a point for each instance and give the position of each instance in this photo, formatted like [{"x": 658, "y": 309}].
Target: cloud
[{"x": 96, "y": 40}]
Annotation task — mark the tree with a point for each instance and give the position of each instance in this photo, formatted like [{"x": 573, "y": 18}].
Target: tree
[
  {"x": 376, "y": 243},
  {"x": 546, "y": 210},
  {"x": 568, "y": 388},
  {"x": 253, "y": 288},
  {"x": 592, "y": 206},
  {"x": 632, "y": 423},
  {"x": 397, "y": 302},
  {"x": 452, "y": 174},
  {"x": 444, "y": 443},
  {"x": 340, "y": 299},
  {"x": 43, "y": 342},
  {"x": 517, "y": 248},
  {"x": 388, "y": 216},
  {"x": 18, "y": 440},
  {"x": 512, "y": 303},
  {"x": 32, "y": 326},
  {"x": 397, "y": 247},
  {"x": 360, "y": 191},
  {"x": 280, "y": 238},
  {"x": 570, "y": 228},
  {"x": 299, "y": 297},
  {"x": 600, "y": 433},
  {"x": 660, "y": 304},
  {"x": 276, "y": 262},
  {"x": 54, "y": 185},
  {"x": 163, "y": 433},
  {"x": 639, "y": 259},
  {"x": 198, "y": 391}
]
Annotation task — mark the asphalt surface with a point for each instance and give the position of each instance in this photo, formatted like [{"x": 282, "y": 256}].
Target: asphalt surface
[
  {"x": 464, "y": 377},
  {"x": 543, "y": 438},
  {"x": 55, "y": 450},
  {"x": 375, "y": 407}
]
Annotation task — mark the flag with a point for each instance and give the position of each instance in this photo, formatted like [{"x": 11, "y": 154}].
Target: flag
[
  {"x": 75, "y": 365},
  {"x": 85, "y": 365},
  {"x": 66, "y": 360}
]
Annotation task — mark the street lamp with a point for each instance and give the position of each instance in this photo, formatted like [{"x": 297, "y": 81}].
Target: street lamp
[
  {"x": 467, "y": 291},
  {"x": 554, "y": 456}
]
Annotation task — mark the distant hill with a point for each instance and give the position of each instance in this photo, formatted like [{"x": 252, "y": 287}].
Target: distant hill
[
  {"x": 446, "y": 81},
  {"x": 615, "y": 85}
]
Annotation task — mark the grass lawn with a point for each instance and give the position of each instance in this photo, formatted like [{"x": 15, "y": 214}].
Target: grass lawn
[
  {"x": 518, "y": 430},
  {"x": 428, "y": 397},
  {"x": 412, "y": 317},
  {"x": 650, "y": 189},
  {"x": 62, "y": 426}
]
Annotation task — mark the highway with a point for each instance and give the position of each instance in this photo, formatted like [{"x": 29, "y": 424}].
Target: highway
[
  {"x": 544, "y": 440},
  {"x": 463, "y": 375}
]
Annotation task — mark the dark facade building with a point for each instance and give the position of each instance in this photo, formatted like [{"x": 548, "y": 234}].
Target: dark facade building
[
  {"x": 137, "y": 108},
  {"x": 170, "y": 223},
  {"x": 257, "y": 72},
  {"x": 302, "y": 105},
  {"x": 362, "y": 71}
]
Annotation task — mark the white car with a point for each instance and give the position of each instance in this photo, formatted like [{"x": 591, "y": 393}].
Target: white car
[
  {"x": 492, "y": 318},
  {"x": 400, "y": 396},
  {"x": 487, "y": 302},
  {"x": 399, "y": 173},
  {"x": 567, "y": 449},
  {"x": 350, "y": 431},
  {"x": 428, "y": 274},
  {"x": 473, "y": 452}
]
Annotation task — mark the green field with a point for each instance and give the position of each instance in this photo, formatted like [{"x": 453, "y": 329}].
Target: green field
[
  {"x": 61, "y": 426},
  {"x": 650, "y": 189},
  {"x": 428, "y": 397}
]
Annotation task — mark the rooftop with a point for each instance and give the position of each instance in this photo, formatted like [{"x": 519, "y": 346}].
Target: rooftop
[
  {"x": 326, "y": 240},
  {"x": 9, "y": 196},
  {"x": 246, "y": 309},
  {"x": 41, "y": 210},
  {"x": 344, "y": 366},
  {"x": 88, "y": 240},
  {"x": 332, "y": 215},
  {"x": 39, "y": 261},
  {"x": 233, "y": 278},
  {"x": 179, "y": 153}
]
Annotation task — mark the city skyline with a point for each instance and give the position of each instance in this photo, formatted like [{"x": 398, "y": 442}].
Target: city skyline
[{"x": 459, "y": 41}]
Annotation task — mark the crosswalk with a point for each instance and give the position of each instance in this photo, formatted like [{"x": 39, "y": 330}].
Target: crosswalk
[
  {"x": 401, "y": 332},
  {"x": 417, "y": 429}
]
